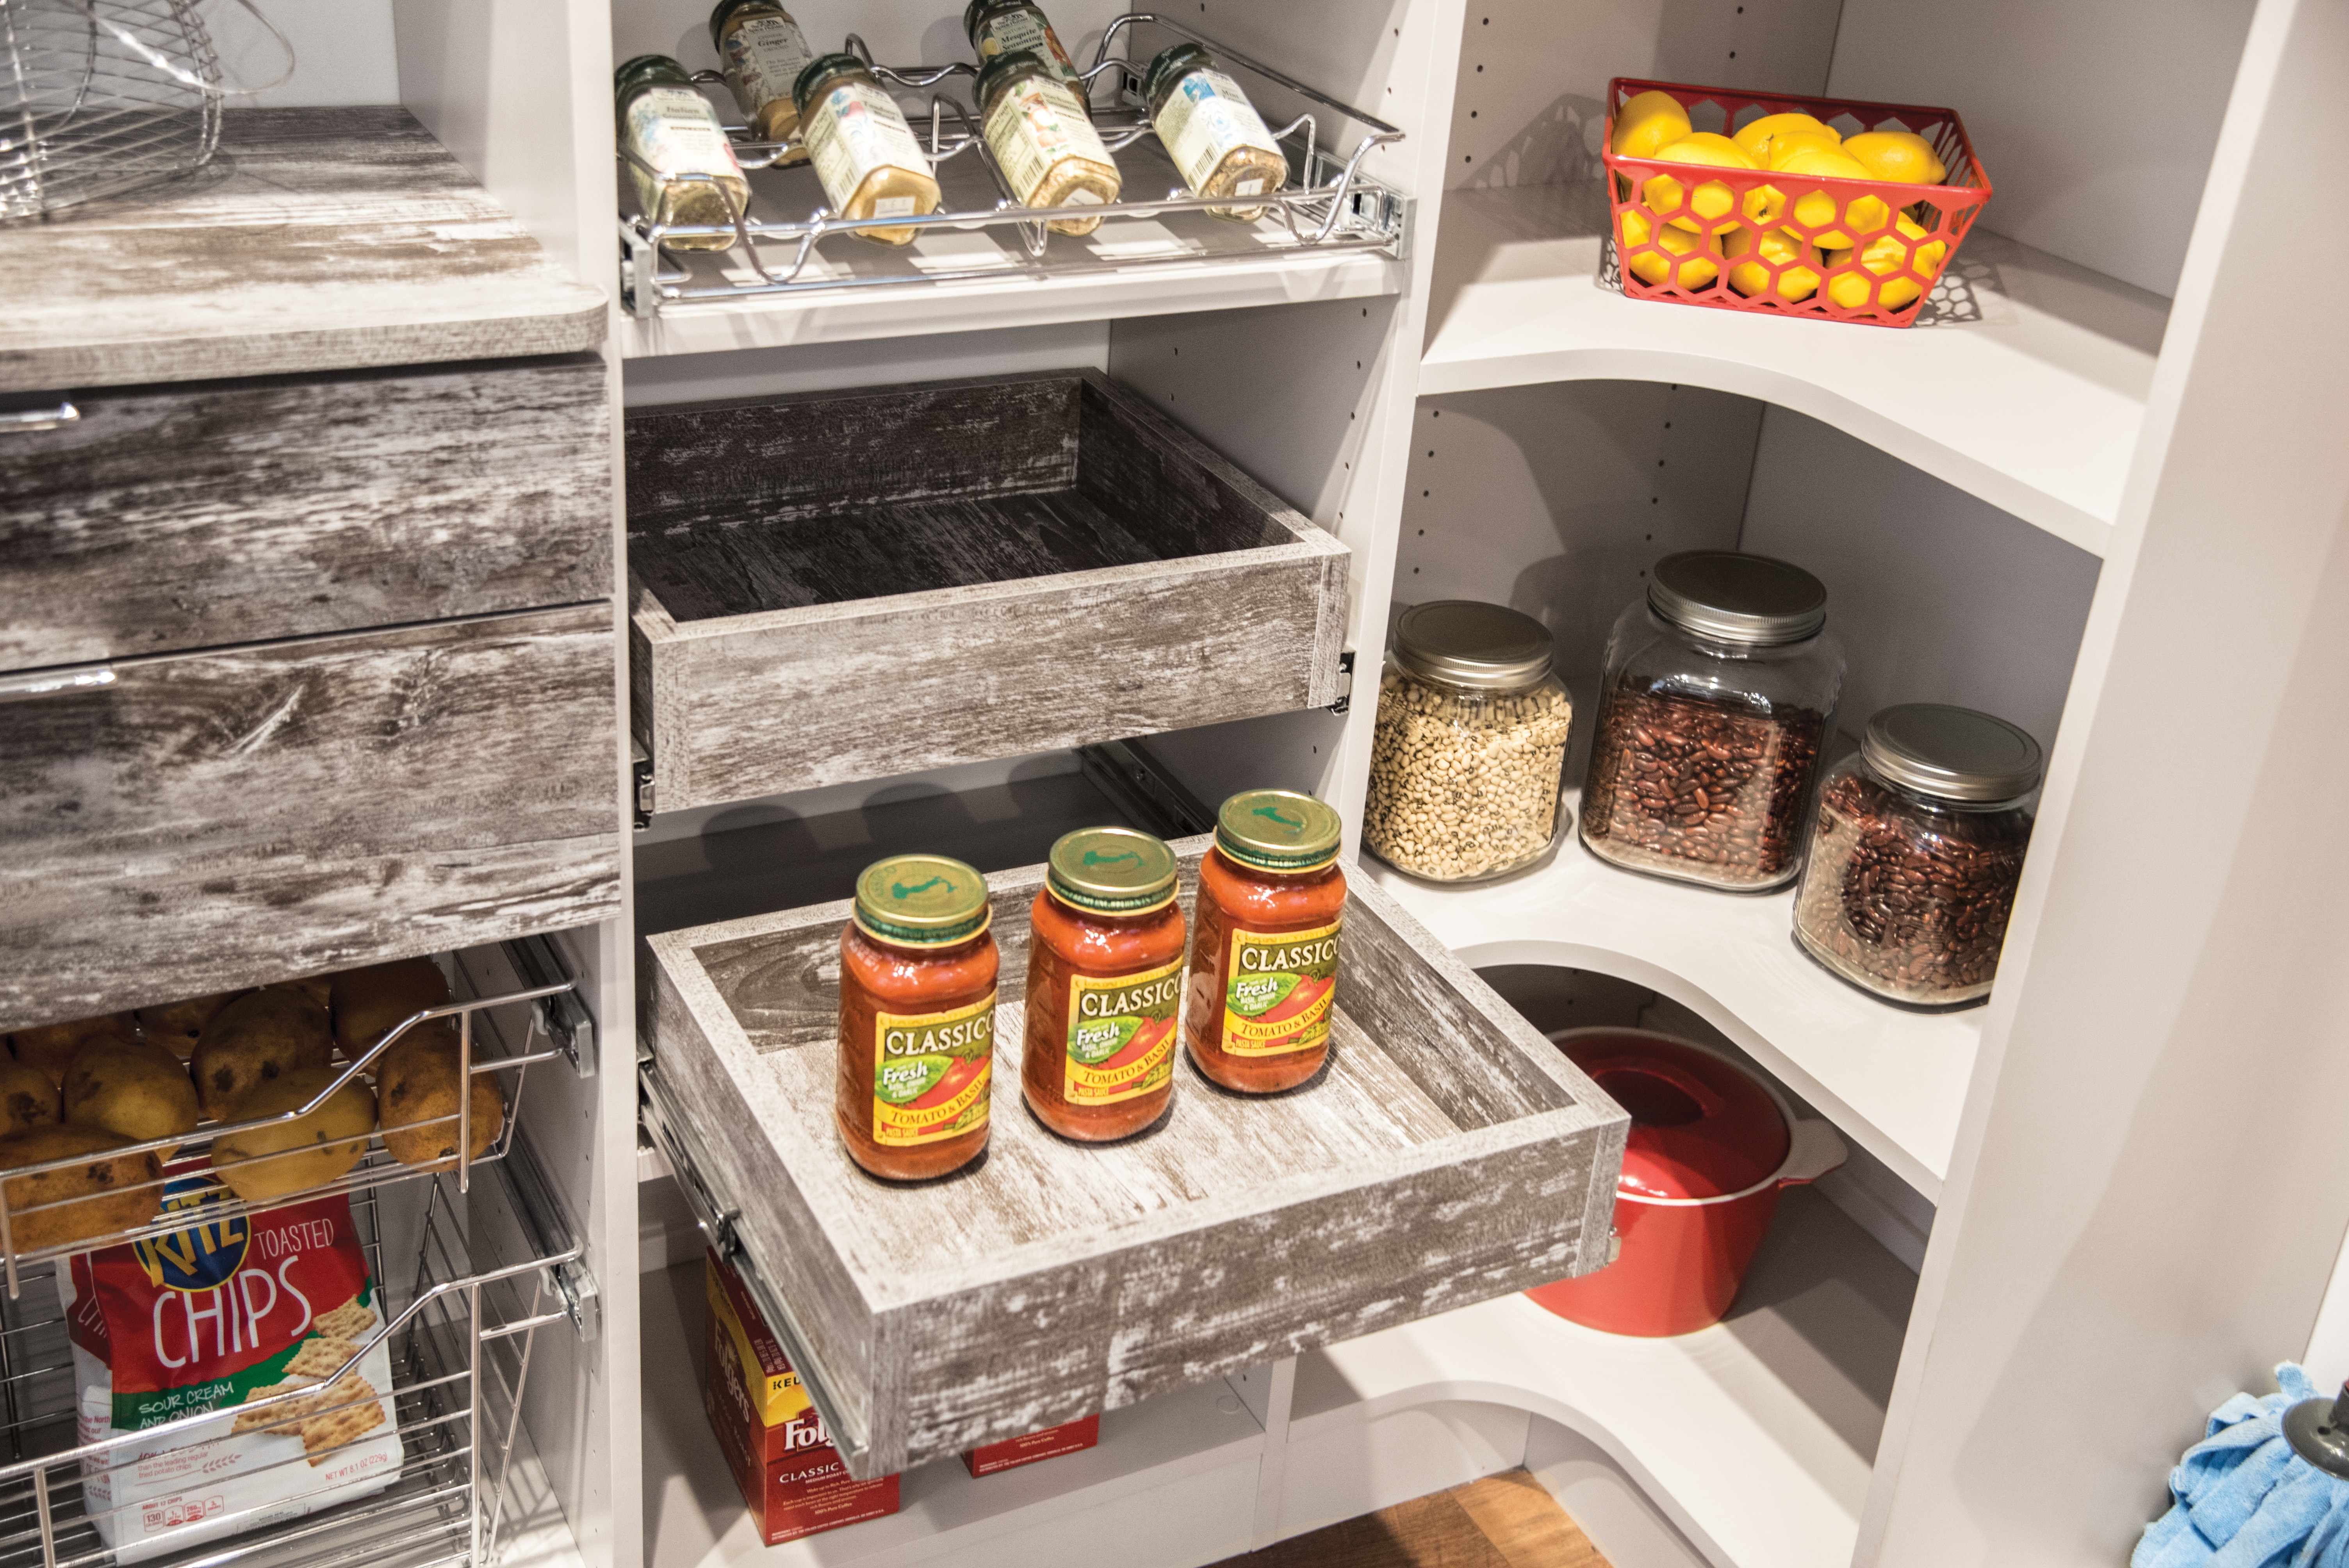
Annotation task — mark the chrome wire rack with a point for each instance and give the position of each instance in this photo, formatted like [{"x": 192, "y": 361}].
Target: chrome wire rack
[
  {"x": 980, "y": 231},
  {"x": 84, "y": 110}
]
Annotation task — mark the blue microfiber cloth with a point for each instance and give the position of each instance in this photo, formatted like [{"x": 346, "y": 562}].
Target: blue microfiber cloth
[{"x": 2245, "y": 1500}]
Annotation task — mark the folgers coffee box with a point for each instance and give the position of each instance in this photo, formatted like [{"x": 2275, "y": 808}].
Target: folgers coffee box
[
  {"x": 783, "y": 1460},
  {"x": 1067, "y": 1438}
]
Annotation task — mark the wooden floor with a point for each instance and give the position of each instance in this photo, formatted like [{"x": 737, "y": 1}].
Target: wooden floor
[{"x": 1504, "y": 1521}]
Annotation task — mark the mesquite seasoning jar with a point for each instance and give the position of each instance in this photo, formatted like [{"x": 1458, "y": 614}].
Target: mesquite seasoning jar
[
  {"x": 918, "y": 970},
  {"x": 1470, "y": 743},
  {"x": 1913, "y": 866},
  {"x": 671, "y": 126},
  {"x": 1218, "y": 142},
  {"x": 864, "y": 151},
  {"x": 763, "y": 52},
  {"x": 1720, "y": 689},
  {"x": 1104, "y": 985},
  {"x": 1044, "y": 139},
  {"x": 1264, "y": 942},
  {"x": 998, "y": 27}
]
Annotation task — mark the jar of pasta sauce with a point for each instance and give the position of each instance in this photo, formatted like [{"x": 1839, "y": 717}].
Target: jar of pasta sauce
[
  {"x": 998, "y": 28},
  {"x": 1264, "y": 943},
  {"x": 1104, "y": 985},
  {"x": 864, "y": 153},
  {"x": 681, "y": 166},
  {"x": 1217, "y": 140},
  {"x": 762, "y": 52},
  {"x": 1041, "y": 138},
  {"x": 917, "y": 969}
]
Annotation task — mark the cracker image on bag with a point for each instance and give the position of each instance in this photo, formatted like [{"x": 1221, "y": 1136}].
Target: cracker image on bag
[{"x": 232, "y": 1310}]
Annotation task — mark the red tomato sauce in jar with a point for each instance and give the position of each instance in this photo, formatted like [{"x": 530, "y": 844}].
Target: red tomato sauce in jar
[
  {"x": 1104, "y": 985},
  {"x": 917, "y": 971},
  {"x": 1264, "y": 942}
]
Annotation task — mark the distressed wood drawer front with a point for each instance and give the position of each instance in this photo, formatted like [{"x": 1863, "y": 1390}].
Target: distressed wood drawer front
[
  {"x": 845, "y": 585},
  {"x": 174, "y": 517},
  {"x": 1448, "y": 1154},
  {"x": 229, "y": 818}
]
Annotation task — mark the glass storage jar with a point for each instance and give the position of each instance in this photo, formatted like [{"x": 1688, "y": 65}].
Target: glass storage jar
[
  {"x": 683, "y": 168},
  {"x": 1913, "y": 865},
  {"x": 1264, "y": 942},
  {"x": 1219, "y": 144},
  {"x": 864, "y": 153},
  {"x": 1719, "y": 692},
  {"x": 997, "y": 27},
  {"x": 1042, "y": 139},
  {"x": 762, "y": 52},
  {"x": 1469, "y": 745}
]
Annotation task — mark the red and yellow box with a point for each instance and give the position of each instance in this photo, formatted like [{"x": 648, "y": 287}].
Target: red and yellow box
[
  {"x": 1067, "y": 1438},
  {"x": 783, "y": 1459}
]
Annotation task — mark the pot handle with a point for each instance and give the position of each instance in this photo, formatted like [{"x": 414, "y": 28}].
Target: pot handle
[{"x": 1813, "y": 1149}]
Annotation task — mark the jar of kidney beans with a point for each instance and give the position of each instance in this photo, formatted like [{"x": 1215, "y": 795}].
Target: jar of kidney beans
[
  {"x": 1719, "y": 692},
  {"x": 1264, "y": 943},
  {"x": 1918, "y": 849}
]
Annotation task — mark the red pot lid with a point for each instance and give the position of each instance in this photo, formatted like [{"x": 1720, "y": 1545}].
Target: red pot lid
[{"x": 1702, "y": 1126}]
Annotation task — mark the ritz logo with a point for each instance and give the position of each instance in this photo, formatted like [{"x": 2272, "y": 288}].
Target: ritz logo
[{"x": 204, "y": 1256}]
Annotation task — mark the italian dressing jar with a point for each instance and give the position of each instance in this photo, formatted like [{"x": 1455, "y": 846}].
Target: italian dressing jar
[
  {"x": 1917, "y": 854},
  {"x": 670, "y": 126},
  {"x": 1264, "y": 943},
  {"x": 1217, "y": 140},
  {"x": 917, "y": 972},
  {"x": 1104, "y": 985},
  {"x": 763, "y": 53},
  {"x": 864, "y": 151},
  {"x": 998, "y": 28},
  {"x": 1470, "y": 744},
  {"x": 1044, "y": 139}
]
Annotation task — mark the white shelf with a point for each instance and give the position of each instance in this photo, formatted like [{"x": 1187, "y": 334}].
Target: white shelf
[
  {"x": 2034, "y": 408},
  {"x": 1893, "y": 1080}
]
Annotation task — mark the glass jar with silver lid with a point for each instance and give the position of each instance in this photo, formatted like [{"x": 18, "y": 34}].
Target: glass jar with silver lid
[
  {"x": 1717, "y": 700},
  {"x": 1917, "y": 854},
  {"x": 1469, "y": 744}
]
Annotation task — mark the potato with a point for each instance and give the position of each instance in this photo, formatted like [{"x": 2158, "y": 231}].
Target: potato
[
  {"x": 259, "y": 1036},
  {"x": 174, "y": 1025},
  {"x": 135, "y": 1088},
  {"x": 415, "y": 1090},
  {"x": 51, "y": 1047},
  {"x": 319, "y": 988},
  {"x": 27, "y": 1097},
  {"x": 107, "y": 1194},
  {"x": 368, "y": 1001},
  {"x": 309, "y": 1152}
]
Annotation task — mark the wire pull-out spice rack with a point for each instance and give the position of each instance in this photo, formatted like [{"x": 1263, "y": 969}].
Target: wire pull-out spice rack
[
  {"x": 470, "y": 1260},
  {"x": 981, "y": 232}
]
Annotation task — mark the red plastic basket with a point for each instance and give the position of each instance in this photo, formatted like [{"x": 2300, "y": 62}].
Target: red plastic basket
[{"x": 1740, "y": 239}]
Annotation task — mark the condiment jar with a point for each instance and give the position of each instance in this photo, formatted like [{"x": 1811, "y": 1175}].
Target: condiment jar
[
  {"x": 1218, "y": 142},
  {"x": 1044, "y": 139},
  {"x": 1919, "y": 848},
  {"x": 763, "y": 52},
  {"x": 918, "y": 970},
  {"x": 1104, "y": 985},
  {"x": 669, "y": 125},
  {"x": 1264, "y": 943},
  {"x": 998, "y": 27},
  {"x": 864, "y": 150},
  {"x": 1720, "y": 689},
  {"x": 1469, "y": 745}
]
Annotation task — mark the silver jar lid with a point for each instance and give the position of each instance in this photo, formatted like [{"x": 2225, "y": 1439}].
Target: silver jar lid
[
  {"x": 1737, "y": 598},
  {"x": 1464, "y": 643},
  {"x": 1954, "y": 753}
]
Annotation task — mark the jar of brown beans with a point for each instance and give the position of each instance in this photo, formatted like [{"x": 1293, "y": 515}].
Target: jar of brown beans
[{"x": 1918, "y": 849}]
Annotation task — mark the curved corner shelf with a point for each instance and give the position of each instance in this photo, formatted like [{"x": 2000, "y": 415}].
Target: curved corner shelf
[
  {"x": 1893, "y": 1080},
  {"x": 2029, "y": 392}
]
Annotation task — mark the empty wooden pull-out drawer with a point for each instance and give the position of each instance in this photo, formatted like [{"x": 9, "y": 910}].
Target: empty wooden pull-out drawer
[
  {"x": 846, "y": 585},
  {"x": 1448, "y": 1154},
  {"x": 246, "y": 814}
]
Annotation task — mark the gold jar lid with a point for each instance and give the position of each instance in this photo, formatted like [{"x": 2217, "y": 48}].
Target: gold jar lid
[
  {"x": 921, "y": 901},
  {"x": 1111, "y": 870},
  {"x": 1278, "y": 830}
]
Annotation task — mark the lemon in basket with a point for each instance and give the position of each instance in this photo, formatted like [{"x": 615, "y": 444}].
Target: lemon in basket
[
  {"x": 1649, "y": 122},
  {"x": 1710, "y": 204},
  {"x": 1900, "y": 155},
  {"x": 1825, "y": 211},
  {"x": 1676, "y": 243},
  {"x": 1779, "y": 248},
  {"x": 1799, "y": 140},
  {"x": 1887, "y": 257},
  {"x": 1756, "y": 139}
]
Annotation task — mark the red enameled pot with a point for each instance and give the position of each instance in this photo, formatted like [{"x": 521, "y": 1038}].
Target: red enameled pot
[{"x": 1711, "y": 1145}]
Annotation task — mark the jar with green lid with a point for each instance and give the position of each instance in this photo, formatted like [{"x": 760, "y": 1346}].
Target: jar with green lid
[
  {"x": 1264, "y": 944},
  {"x": 917, "y": 972},
  {"x": 762, "y": 52},
  {"x": 1219, "y": 144},
  {"x": 669, "y": 125},
  {"x": 997, "y": 27},
  {"x": 1044, "y": 139},
  {"x": 864, "y": 153}
]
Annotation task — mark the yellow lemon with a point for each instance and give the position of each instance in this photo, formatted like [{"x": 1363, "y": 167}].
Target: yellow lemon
[
  {"x": 1886, "y": 257},
  {"x": 1779, "y": 248},
  {"x": 1654, "y": 119},
  {"x": 1756, "y": 138},
  {"x": 1783, "y": 146},
  {"x": 1824, "y": 211},
  {"x": 1692, "y": 254},
  {"x": 1900, "y": 155},
  {"x": 1712, "y": 202}
]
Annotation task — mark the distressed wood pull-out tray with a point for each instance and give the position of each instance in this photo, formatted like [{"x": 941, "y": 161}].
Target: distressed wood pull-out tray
[
  {"x": 1448, "y": 1154},
  {"x": 839, "y": 586}
]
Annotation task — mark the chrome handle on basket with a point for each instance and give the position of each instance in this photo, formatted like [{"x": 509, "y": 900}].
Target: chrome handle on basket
[
  {"x": 49, "y": 682},
  {"x": 31, "y": 419}
]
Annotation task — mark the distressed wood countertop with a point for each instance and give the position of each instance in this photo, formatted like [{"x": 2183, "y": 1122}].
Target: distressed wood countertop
[{"x": 317, "y": 239}]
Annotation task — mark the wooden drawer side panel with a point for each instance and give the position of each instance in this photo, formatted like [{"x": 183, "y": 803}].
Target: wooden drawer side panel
[{"x": 1198, "y": 502}]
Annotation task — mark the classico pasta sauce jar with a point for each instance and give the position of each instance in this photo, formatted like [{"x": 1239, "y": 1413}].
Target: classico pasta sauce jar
[
  {"x": 917, "y": 968},
  {"x": 1104, "y": 985},
  {"x": 1264, "y": 944}
]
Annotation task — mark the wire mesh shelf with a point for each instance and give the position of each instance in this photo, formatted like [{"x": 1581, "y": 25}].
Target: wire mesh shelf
[{"x": 979, "y": 231}]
